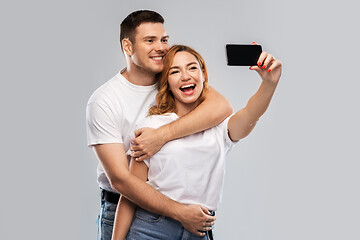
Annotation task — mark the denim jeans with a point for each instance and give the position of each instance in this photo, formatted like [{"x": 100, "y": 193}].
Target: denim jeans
[
  {"x": 151, "y": 226},
  {"x": 106, "y": 220}
]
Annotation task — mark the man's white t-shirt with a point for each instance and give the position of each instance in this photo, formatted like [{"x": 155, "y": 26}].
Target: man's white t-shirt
[
  {"x": 191, "y": 169},
  {"x": 112, "y": 112}
]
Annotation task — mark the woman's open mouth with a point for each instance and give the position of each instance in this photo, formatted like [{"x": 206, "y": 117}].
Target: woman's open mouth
[{"x": 188, "y": 89}]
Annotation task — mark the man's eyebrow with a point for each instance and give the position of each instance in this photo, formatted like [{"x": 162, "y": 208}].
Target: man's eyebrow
[
  {"x": 147, "y": 37},
  {"x": 153, "y": 37}
]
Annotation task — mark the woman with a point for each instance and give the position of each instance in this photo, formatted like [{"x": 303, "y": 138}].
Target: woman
[{"x": 190, "y": 170}]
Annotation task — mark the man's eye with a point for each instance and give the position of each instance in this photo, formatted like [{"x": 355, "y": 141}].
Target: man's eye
[
  {"x": 164, "y": 40},
  {"x": 149, "y": 40}
]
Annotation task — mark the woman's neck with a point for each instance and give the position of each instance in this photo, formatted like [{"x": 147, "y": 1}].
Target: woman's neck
[{"x": 184, "y": 108}]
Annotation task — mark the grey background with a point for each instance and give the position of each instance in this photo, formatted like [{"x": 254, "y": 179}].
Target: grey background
[{"x": 295, "y": 177}]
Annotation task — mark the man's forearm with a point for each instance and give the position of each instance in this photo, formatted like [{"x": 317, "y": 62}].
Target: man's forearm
[
  {"x": 147, "y": 197},
  {"x": 115, "y": 164},
  {"x": 212, "y": 111}
]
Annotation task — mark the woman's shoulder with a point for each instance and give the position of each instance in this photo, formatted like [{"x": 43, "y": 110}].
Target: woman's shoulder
[{"x": 156, "y": 121}]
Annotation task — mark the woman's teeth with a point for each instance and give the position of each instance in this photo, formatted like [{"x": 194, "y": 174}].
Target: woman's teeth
[{"x": 187, "y": 87}]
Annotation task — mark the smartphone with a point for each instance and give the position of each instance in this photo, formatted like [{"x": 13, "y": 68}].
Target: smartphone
[{"x": 242, "y": 54}]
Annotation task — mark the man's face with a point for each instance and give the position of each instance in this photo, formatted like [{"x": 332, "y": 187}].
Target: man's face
[{"x": 151, "y": 45}]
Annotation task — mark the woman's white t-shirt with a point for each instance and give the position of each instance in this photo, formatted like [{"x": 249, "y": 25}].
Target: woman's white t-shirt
[{"x": 190, "y": 170}]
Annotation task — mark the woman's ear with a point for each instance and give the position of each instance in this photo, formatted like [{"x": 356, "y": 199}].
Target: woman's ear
[
  {"x": 203, "y": 73},
  {"x": 127, "y": 46}
]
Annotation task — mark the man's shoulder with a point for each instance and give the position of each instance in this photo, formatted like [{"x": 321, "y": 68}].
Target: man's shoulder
[{"x": 106, "y": 90}]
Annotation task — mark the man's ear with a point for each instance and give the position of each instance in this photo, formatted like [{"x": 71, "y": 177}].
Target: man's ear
[{"x": 127, "y": 46}]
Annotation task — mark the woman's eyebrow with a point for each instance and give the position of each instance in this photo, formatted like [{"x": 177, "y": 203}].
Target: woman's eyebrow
[
  {"x": 191, "y": 63},
  {"x": 173, "y": 67}
]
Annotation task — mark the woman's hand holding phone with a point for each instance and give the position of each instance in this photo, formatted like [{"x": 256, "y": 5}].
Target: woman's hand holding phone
[{"x": 268, "y": 67}]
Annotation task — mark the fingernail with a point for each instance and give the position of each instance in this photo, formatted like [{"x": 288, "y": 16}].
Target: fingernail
[
  {"x": 259, "y": 63},
  {"x": 264, "y": 67},
  {"x": 269, "y": 70},
  {"x": 253, "y": 42}
]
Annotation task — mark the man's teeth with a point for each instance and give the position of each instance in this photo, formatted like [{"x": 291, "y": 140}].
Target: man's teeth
[
  {"x": 157, "y": 58},
  {"x": 187, "y": 86}
]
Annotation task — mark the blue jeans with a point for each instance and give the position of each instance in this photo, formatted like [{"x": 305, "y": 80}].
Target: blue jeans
[
  {"x": 106, "y": 220},
  {"x": 151, "y": 226}
]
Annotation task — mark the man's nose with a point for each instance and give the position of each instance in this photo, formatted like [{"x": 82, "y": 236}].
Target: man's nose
[{"x": 160, "y": 46}]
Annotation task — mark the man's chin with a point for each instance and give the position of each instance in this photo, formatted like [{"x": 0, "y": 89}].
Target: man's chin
[{"x": 157, "y": 70}]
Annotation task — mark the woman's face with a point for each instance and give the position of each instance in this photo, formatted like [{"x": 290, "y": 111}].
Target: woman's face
[{"x": 185, "y": 80}]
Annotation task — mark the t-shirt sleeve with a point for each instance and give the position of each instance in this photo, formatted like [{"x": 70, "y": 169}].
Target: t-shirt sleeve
[
  {"x": 102, "y": 125},
  {"x": 143, "y": 123},
  {"x": 146, "y": 161},
  {"x": 132, "y": 135},
  {"x": 229, "y": 144},
  {"x": 148, "y": 122}
]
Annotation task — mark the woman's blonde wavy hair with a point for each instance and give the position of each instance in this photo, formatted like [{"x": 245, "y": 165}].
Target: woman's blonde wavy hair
[{"x": 165, "y": 102}]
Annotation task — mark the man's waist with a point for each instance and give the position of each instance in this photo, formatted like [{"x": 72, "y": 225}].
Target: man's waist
[{"x": 109, "y": 196}]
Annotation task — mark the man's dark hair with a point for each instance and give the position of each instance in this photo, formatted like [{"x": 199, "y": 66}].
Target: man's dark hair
[{"x": 134, "y": 19}]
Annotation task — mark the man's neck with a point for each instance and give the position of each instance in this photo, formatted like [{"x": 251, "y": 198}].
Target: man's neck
[{"x": 139, "y": 76}]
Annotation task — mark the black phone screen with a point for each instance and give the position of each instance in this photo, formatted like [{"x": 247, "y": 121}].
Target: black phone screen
[{"x": 242, "y": 54}]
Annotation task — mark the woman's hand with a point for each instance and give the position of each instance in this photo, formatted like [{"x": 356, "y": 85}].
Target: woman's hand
[{"x": 268, "y": 67}]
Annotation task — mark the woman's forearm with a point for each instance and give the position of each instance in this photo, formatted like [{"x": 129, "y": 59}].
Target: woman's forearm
[
  {"x": 260, "y": 101},
  {"x": 123, "y": 218},
  {"x": 243, "y": 122}
]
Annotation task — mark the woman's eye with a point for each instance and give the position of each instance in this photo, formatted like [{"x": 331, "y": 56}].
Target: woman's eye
[
  {"x": 173, "y": 72},
  {"x": 193, "y": 68}
]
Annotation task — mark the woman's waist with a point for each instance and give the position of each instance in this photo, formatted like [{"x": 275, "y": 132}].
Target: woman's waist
[{"x": 207, "y": 195}]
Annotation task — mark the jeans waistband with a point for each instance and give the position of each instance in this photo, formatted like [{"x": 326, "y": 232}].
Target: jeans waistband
[{"x": 110, "y": 196}]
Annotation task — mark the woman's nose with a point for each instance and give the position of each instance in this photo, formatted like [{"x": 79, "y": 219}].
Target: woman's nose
[{"x": 185, "y": 76}]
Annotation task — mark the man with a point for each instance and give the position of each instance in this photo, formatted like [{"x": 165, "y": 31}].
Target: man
[{"x": 113, "y": 111}]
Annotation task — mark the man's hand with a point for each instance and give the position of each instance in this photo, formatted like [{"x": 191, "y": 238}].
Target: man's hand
[
  {"x": 146, "y": 143},
  {"x": 196, "y": 219}
]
